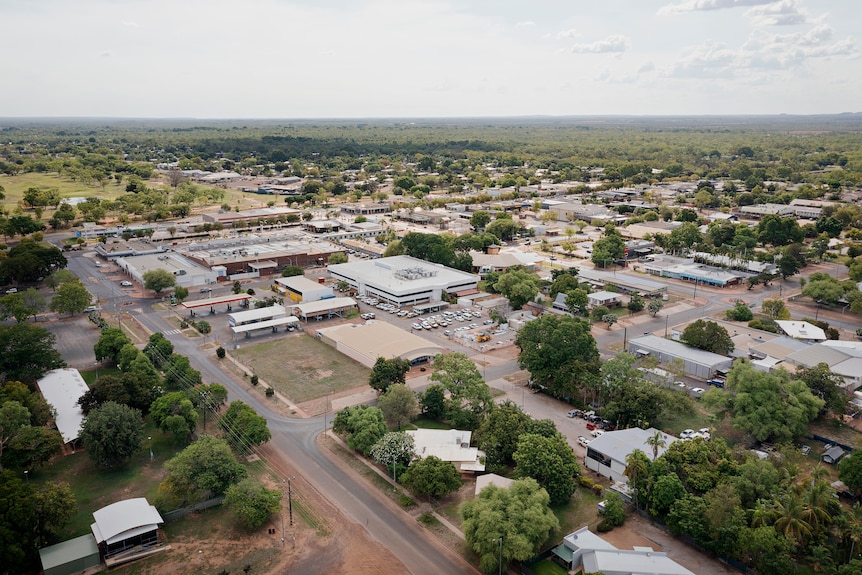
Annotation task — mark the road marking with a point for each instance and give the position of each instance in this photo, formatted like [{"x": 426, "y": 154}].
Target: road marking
[{"x": 172, "y": 332}]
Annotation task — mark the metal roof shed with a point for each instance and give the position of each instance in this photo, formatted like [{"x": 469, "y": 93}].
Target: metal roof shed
[
  {"x": 62, "y": 388},
  {"x": 697, "y": 362},
  {"x": 72, "y": 556}
]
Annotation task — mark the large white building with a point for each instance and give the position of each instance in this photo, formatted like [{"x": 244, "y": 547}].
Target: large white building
[
  {"x": 62, "y": 388},
  {"x": 365, "y": 342},
  {"x": 403, "y": 280},
  {"x": 606, "y": 454}
]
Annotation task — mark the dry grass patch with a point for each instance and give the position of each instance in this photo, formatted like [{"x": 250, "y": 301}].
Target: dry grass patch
[{"x": 302, "y": 368}]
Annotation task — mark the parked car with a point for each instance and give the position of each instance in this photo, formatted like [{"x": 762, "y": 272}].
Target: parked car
[
  {"x": 573, "y": 413},
  {"x": 697, "y": 390},
  {"x": 583, "y": 440},
  {"x": 126, "y": 283},
  {"x": 597, "y": 433},
  {"x": 716, "y": 382},
  {"x": 686, "y": 434},
  {"x": 12, "y": 290},
  {"x": 590, "y": 425}
]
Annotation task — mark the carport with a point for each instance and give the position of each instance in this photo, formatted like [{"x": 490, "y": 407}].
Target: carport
[
  {"x": 274, "y": 324},
  {"x": 229, "y": 300}
]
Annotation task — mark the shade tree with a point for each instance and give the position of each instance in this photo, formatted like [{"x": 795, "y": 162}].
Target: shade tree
[
  {"x": 112, "y": 433},
  {"x": 388, "y": 371},
  {"x": 431, "y": 477},
  {"x": 550, "y": 461},
  {"x": 252, "y": 503},
  {"x": 205, "y": 468},
  {"x": 27, "y": 353},
  {"x": 399, "y": 405},
  {"x": 520, "y": 515}
]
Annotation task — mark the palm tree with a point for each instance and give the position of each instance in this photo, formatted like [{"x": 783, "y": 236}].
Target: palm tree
[
  {"x": 853, "y": 528},
  {"x": 656, "y": 441},
  {"x": 789, "y": 512},
  {"x": 637, "y": 465},
  {"x": 817, "y": 499}
]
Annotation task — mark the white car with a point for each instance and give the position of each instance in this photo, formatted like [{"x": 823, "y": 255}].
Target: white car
[
  {"x": 583, "y": 440},
  {"x": 597, "y": 432},
  {"x": 697, "y": 390},
  {"x": 126, "y": 283},
  {"x": 686, "y": 434}
]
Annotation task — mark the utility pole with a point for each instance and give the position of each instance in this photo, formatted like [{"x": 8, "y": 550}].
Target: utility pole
[{"x": 290, "y": 499}]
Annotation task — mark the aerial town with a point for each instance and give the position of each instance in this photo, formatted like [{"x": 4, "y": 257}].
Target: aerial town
[{"x": 328, "y": 362}]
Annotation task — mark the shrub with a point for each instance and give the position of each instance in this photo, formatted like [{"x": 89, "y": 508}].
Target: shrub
[
  {"x": 255, "y": 379},
  {"x": 220, "y": 352},
  {"x": 586, "y": 482},
  {"x": 270, "y": 392},
  {"x": 598, "y": 489},
  {"x": 605, "y": 525},
  {"x": 740, "y": 312}
]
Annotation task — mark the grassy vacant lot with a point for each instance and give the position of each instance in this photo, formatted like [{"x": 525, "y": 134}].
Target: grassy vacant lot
[
  {"x": 16, "y": 185},
  {"x": 302, "y": 368}
]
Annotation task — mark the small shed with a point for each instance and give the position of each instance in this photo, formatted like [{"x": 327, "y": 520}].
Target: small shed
[
  {"x": 69, "y": 557},
  {"x": 833, "y": 455},
  {"x": 127, "y": 530}
]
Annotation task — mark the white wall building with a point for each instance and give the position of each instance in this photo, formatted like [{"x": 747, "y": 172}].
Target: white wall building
[{"x": 403, "y": 280}]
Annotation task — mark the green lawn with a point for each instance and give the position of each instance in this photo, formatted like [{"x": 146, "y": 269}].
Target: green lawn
[
  {"x": 302, "y": 367},
  {"x": 94, "y": 488},
  {"x": 16, "y": 185},
  {"x": 547, "y": 567},
  {"x": 91, "y": 376}
]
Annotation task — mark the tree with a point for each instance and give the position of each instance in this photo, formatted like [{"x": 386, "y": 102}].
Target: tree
[
  {"x": 608, "y": 249},
  {"x": 480, "y": 219},
  {"x": 577, "y": 302},
  {"x": 112, "y": 433},
  {"x": 205, "y": 468},
  {"x": 519, "y": 515},
  {"x": 707, "y": 335},
  {"x": 112, "y": 340},
  {"x": 181, "y": 293},
  {"x": 469, "y": 395},
  {"x": 499, "y": 433},
  {"x": 740, "y": 312},
  {"x": 27, "y": 352},
  {"x": 21, "y": 306},
  {"x": 609, "y": 319},
  {"x": 665, "y": 492},
  {"x": 431, "y": 477},
  {"x": 14, "y": 417},
  {"x": 337, "y": 258},
  {"x": 560, "y": 353},
  {"x": 655, "y": 306},
  {"x": 850, "y": 472},
  {"x": 826, "y": 385},
  {"x": 179, "y": 373},
  {"x": 158, "y": 349},
  {"x": 434, "y": 401},
  {"x": 71, "y": 298},
  {"x": 159, "y": 280},
  {"x": 769, "y": 406},
  {"x": 778, "y": 231},
  {"x": 564, "y": 283},
  {"x": 823, "y": 290},
  {"x": 519, "y": 286},
  {"x": 387, "y": 372},
  {"x": 820, "y": 246},
  {"x": 174, "y": 412},
  {"x": 636, "y": 303},
  {"x": 252, "y": 503},
  {"x": 363, "y": 424},
  {"x": 551, "y": 462},
  {"x": 615, "y": 510},
  {"x": 775, "y": 309},
  {"x": 290, "y": 271},
  {"x": 33, "y": 516},
  {"x": 33, "y": 446},
  {"x": 399, "y": 405},
  {"x": 245, "y": 428},
  {"x": 503, "y": 228},
  {"x": 394, "y": 451},
  {"x": 656, "y": 442}
]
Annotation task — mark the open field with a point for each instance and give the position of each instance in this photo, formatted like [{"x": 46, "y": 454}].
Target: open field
[
  {"x": 315, "y": 368},
  {"x": 16, "y": 185}
]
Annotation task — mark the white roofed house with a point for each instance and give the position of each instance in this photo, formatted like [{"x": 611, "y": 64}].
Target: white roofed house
[
  {"x": 62, "y": 388},
  {"x": 127, "y": 530},
  {"x": 452, "y": 445}
]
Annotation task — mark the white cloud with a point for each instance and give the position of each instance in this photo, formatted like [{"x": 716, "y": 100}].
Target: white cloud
[
  {"x": 783, "y": 13},
  {"x": 646, "y": 67},
  {"x": 710, "y": 60},
  {"x": 704, "y": 5},
  {"x": 610, "y": 45},
  {"x": 570, "y": 33},
  {"x": 525, "y": 24}
]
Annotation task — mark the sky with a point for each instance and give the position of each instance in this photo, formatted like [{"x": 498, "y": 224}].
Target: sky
[{"x": 428, "y": 58}]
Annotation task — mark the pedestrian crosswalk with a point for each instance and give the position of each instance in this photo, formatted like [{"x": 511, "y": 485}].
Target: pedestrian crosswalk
[{"x": 172, "y": 332}]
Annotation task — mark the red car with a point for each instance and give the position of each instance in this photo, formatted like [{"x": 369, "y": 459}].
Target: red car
[{"x": 590, "y": 425}]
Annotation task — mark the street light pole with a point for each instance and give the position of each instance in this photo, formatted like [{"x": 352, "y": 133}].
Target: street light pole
[
  {"x": 151, "y": 447},
  {"x": 500, "y": 557}
]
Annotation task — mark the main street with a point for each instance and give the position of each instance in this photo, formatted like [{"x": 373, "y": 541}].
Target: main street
[{"x": 296, "y": 440}]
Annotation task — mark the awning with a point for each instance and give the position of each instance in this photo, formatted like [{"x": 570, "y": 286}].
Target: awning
[{"x": 564, "y": 553}]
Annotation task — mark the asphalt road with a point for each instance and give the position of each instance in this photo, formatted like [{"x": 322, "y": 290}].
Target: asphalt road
[{"x": 360, "y": 502}]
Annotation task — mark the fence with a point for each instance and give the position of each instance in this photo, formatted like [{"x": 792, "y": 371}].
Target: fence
[{"x": 180, "y": 513}]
